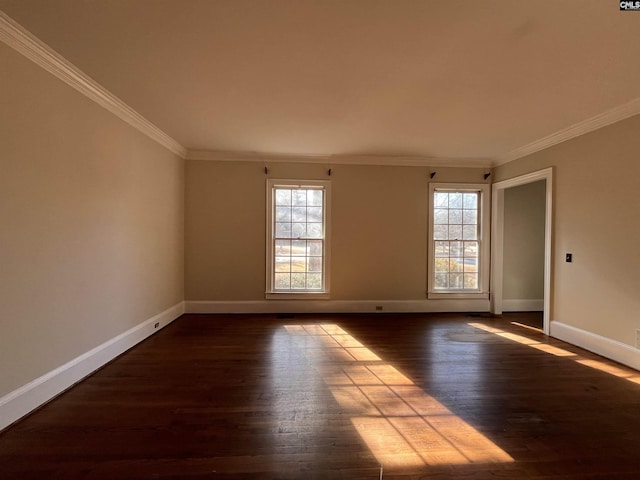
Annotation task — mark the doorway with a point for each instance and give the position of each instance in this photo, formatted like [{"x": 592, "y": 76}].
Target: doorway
[{"x": 498, "y": 241}]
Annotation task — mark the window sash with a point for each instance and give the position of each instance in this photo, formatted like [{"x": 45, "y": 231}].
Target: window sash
[
  {"x": 297, "y": 238},
  {"x": 456, "y": 233},
  {"x": 458, "y": 240}
]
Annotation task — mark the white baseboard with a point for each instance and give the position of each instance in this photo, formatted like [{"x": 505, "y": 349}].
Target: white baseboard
[
  {"x": 522, "y": 305},
  {"x": 612, "y": 349},
  {"x": 27, "y": 398},
  {"x": 336, "y": 306}
]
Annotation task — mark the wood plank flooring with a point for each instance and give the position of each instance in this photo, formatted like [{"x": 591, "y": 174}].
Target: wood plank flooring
[{"x": 336, "y": 396}]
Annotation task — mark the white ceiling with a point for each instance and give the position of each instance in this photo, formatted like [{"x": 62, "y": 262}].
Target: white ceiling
[{"x": 447, "y": 79}]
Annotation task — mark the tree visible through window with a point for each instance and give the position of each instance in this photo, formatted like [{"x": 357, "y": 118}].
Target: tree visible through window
[{"x": 297, "y": 256}]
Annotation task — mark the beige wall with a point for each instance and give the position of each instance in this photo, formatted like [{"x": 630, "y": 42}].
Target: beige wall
[
  {"x": 524, "y": 215},
  {"x": 597, "y": 218},
  {"x": 92, "y": 224},
  {"x": 379, "y": 228}
]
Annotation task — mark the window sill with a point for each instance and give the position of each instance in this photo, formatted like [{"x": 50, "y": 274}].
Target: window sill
[
  {"x": 296, "y": 295},
  {"x": 461, "y": 295}
]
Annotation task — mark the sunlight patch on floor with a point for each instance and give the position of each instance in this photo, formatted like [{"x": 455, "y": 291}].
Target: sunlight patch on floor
[
  {"x": 621, "y": 372},
  {"x": 560, "y": 352},
  {"x": 401, "y": 424}
]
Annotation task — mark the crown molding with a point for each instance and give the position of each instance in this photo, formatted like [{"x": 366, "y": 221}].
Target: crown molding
[
  {"x": 382, "y": 160},
  {"x": 21, "y": 40},
  {"x": 616, "y": 114}
]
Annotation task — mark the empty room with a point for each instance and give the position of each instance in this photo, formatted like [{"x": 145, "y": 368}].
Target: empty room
[{"x": 333, "y": 239}]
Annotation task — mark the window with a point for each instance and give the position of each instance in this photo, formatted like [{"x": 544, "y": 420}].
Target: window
[
  {"x": 459, "y": 243},
  {"x": 297, "y": 238}
]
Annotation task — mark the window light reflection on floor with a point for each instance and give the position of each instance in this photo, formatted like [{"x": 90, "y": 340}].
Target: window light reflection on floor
[
  {"x": 401, "y": 424},
  {"x": 627, "y": 374}
]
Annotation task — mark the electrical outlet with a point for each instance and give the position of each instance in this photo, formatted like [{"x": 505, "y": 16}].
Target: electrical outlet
[
  {"x": 378, "y": 308},
  {"x": 156, "y": 325}
]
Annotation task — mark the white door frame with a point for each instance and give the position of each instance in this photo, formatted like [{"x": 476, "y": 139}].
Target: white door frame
[{"x": 497, "y": 239}]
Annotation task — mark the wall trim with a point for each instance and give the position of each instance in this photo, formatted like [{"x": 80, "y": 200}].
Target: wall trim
[
  {"x": 613, "y": 115},
  {"x": 523, "y": 305},
  {"x": 36, "y": 393},
  {"x": 612, "y": 349},
  {"x": 336, "y": 306},
  {"x": 24, "y": 42},
  {"x": 329, "y": 160}
]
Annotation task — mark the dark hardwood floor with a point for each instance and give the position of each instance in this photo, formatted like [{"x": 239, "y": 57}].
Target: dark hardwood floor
[{"x": 336, "y": 396}]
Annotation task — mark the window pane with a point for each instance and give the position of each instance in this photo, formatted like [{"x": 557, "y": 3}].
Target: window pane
[
  {"x": 471, "y": 280},
  {"x": 470, "y": 232},
  {"x": 299, "y": 198},
  {"x": 314, "y": 214},
  {"x": 471, "y": 200},
  {"x": 455, "y": 232},
  {"x": 455, "y": 200},
  {"x": 440, "y": 232},
  {"x": 442, "y": 280},
  {"x": 298, "y": 280},
  {"x": 470, "y": 249},
  {"x": 283, "y": 230},
  {"x": 470, "y": 264},
  {"x": 442, "y": 265},
  {"x": 283, "y": 247},
  {"x": 455, "y": 280},
  {"x": 283, "y": 264},
  {"x": 470, "y": 217},
  {"x": 455, "y": 216},
  {"x": 314, "y": 280},
  {"x": 440, "y": 216},
  {"x": 314, "y": 230},
  {"x": 455, "y": 265},
  {"x": 442, "y": 249},
  {"x": 299, "y": 214},
  {"x": 456, "y": 249},
  {"x": 299, "y": 230},
  {"x": 298, "y": 247},
  {"x": 283, "y": 196},
  {"x": 441, "y": 200},
  {"x": 298, "y": 264},
  {"x": 314, "y": 198},
  {"x": 283, "y": 214},
  {"x": 315, "y": 264},
  {"x": 283, "y": 281},
  {"x": 315, "y": 247}
]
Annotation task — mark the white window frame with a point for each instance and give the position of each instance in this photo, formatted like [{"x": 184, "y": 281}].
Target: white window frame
[
  {"x": 271, "y": 293},
  {"x": 484, "y": 241}
]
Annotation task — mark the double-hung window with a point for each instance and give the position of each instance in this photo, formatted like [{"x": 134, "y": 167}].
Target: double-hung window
[
  {"x": 459, "y": 240},
  {"x": 298, "y": 238}
]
